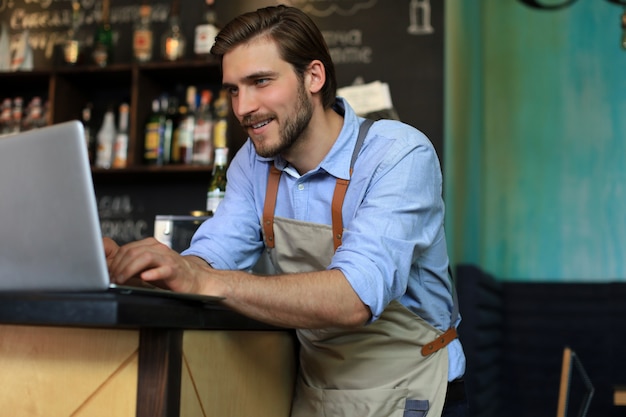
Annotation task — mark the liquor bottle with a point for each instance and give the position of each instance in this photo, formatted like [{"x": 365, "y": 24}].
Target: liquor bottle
[
  {"x": 171, "y": 123},
  {"x": 16, "y": 115},
  {"x": 103, "y": 40},
  {"x": 5, "y": 116},
  {"x": 220, "y": 126},
  {"x": 106, "y": 138},
  {"x": 203, "y": 131},
  {"x": 46, "y": 115},
  {"x": 120, "y": 148},
  {"x": 217, "y": 186},
  {"x": 173, "y": 40},
  {"x": 73, "y": 47},
  {"x": 186, "y": 128},
  {"x": 206, "y": 32},
  {"x": 153, "y": 136},
  {"x": 36, "y": 116},
  {"x": 179, "y": 130},
  {"x": 90, "y": 138},
  {"x": 143, "y": 35}
]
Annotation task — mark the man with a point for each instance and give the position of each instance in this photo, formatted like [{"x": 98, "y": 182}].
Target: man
[{"x": 354, "y": 230}]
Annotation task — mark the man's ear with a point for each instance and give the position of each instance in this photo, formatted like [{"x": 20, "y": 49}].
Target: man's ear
[{"x": 315, "y": 76}]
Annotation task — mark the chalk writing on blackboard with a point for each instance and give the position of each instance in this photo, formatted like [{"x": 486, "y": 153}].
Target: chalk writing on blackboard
[
  {"x": 346, "y": 47},
  {"x": 420, "y": 18},
  {"x": 117, "y": 219},
  {"x": 324, "y": 8},
  {"x": 124, "y": 231},
  {"x": 47, "y": 22}
]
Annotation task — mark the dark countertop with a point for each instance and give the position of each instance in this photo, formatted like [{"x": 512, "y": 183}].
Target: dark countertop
[{"x": 120, "y": 310}]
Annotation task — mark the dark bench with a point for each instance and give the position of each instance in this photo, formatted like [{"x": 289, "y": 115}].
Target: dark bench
[{"x": 514, "y": 333}]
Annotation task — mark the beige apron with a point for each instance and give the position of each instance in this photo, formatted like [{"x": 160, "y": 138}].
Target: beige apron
[{"x": 377, "y": 370}]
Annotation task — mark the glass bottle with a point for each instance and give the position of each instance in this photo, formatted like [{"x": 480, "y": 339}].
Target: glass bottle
[
  {"x": 173, "y": 40},
  {"x": 186, "y": 128},
  {"x": 103, "y": 40},
  {"x": 203, "y": 131},
  {"x": 220, "y": 126},
  {"x": 90, "y": 139},
  {"x": 6, "y": 116},
  {"x": 73, "y": 47},
  {"x": 143, "y": 35},
  {"x": 120, "y": 148},
  {"x": 16, "y": 115},
  {"x": 172, "y": 118},
  {"x": 179, "y": 131},
  {"x": 36, "y": 116},
  {"x": 217, "y": 186},
  {"x": 206, "y": 32},
  {"x": 106, "y": 138},
  {"x": 153, "y": 133}
]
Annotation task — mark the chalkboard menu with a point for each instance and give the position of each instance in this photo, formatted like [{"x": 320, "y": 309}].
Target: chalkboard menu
[{"x": 398, "y": 42}]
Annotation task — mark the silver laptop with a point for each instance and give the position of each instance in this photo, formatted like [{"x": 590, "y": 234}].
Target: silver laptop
[{"x": 50, "y": 236}]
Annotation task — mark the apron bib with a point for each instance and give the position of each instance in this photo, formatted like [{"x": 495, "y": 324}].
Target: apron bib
[{"x": 377, "y": 370}]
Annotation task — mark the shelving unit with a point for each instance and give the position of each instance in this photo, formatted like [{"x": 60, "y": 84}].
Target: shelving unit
[
  {"x": 148, "y": 190},
  {"x": 68, "y": 89}
]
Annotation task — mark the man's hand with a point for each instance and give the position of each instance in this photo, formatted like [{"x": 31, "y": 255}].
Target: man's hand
[
  {"x": 154, "y": 263},
  {"x": 304, "y": 300}
]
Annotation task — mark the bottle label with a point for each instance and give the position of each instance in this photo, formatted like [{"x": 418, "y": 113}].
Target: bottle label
[
  {"x": 120, "y": 151},
  {"x": 105, "y": 138},
  {"x": 202, "y": 144},
  {"x": 142, "y": 45},
  {"x": 214, "y": 198},
  {"x": 185, "y": 141},
  {"x": 219, "y": 133},
  {"x": 151, "y": 143},
  {"x": 205, "y": 38}
]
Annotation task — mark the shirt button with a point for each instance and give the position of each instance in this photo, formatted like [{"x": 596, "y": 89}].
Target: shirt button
[{"x": 300, "y": 187}]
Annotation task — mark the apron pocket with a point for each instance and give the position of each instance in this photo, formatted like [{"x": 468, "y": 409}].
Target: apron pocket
[
  {"x": 416, "y": 408},
  {"x": 351, "y": 403}
]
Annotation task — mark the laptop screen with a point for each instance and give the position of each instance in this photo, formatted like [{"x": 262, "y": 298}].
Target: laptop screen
[{"x": 50, "y": 237}]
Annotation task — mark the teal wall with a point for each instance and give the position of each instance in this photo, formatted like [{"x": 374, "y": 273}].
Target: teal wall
[{"x": 535, "y": 140}]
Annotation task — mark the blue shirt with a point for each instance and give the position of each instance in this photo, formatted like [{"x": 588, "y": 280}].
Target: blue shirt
[{"x": 393, "y": 246}]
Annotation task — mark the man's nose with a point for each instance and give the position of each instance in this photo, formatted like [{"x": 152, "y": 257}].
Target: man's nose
[{"x": 244, "y": 103}]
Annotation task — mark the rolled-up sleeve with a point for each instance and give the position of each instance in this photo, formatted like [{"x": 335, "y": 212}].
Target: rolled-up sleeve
[{"x": 393, "y": 216}]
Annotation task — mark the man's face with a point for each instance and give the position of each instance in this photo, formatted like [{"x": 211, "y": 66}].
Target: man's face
[{"x": 269, "y": 100}]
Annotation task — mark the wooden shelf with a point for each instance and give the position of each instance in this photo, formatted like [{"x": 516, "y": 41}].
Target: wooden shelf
[{"x": 144, "y": 173}]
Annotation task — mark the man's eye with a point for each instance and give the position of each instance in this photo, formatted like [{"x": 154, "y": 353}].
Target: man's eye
[
  {"x": 232, "y": 91},
  {"x": 262, "y": 81}
]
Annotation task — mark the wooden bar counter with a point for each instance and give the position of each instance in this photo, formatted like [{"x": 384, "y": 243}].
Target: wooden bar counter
[{"x": 107, "y": 354}]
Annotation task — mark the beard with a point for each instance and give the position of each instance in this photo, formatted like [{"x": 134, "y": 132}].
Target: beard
[{"x": 292, "y": 127}]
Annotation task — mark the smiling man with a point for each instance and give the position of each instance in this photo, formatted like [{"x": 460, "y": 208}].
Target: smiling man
[{"x": 351, "y": 217}]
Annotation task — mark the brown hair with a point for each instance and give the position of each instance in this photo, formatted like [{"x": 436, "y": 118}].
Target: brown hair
[{"x": 299, "y": 41}]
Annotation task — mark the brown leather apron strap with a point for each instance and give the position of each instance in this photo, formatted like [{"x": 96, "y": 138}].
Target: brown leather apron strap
[
  {"x": 270, "y": 204},
  {"x": 440, "y": 342},
  {"x": 341, "y": 186}
]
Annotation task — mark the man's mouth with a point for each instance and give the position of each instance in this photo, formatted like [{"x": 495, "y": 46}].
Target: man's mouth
[
  {"x": 257, "y": 122},
  {"x": 260, "y": 124}
]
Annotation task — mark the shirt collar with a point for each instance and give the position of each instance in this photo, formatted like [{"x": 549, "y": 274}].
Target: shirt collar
[{"x": 337, "y": 161}]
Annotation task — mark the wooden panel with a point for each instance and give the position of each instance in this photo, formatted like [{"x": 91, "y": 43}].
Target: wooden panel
[
  {"x": 237, "y": 373},
  {"x": 54, "y": 371},
  {"x": 159, "y": 373}
]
